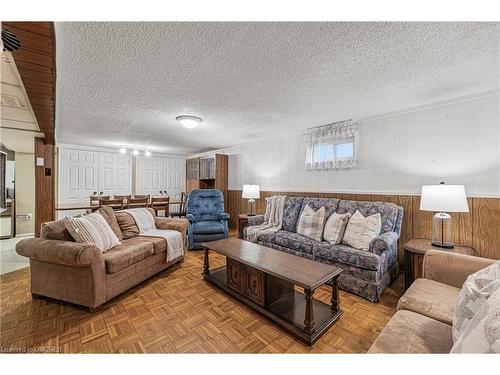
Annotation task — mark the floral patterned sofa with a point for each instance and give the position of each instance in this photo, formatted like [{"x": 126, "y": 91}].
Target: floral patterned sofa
[{"x": 365, "y": 273}]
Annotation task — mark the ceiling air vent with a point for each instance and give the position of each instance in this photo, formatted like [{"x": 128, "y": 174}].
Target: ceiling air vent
[{"x": 9, "y": 41}]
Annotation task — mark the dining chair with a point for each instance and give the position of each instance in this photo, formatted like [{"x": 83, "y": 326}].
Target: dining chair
[
  {"x": 94, "y": 199},
  {"x": 182, "y": 207},
  {"x": 115, "y": 204},
  {"x": 124, "y": 198},
  {"x": 142, "y": 196},
  {"x": 160, "y": 204},
  {"x": 137, "y": 202}
]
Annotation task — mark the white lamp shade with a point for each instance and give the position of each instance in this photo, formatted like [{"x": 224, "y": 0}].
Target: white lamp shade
[
  {"x": 251, "y": 192},
  {"x": 444, "y": 198}
]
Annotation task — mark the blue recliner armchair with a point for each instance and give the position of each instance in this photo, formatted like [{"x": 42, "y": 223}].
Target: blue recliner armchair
[{"x": 207, "y": 219}]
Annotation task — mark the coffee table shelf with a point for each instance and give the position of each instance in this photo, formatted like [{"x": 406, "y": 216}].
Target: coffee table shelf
[{"x": 272, "y": 295}]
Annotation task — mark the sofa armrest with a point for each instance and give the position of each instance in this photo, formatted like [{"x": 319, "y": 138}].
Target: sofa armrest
[
  {"x": 224, "y": 216},
  {"x": 452, "y": 268},
  {"x": 383, "y": 242},
  {"x": 190, "y": 217},
  {"x": 180, "y": 225},
  {"x": 255, "y": 220},
  {"x": 59, "y": 252}
]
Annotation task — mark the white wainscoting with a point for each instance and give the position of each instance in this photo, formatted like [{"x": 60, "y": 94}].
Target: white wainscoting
[{"x": 160, "y": 173}]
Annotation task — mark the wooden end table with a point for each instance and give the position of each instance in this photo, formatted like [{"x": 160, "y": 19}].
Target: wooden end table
[
  {"x": 415, "y": 250},
  {"x": 242, "y": 224}
]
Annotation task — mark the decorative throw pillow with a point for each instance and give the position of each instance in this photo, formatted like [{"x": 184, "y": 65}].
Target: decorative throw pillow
[
  {"x": 335, "y": 227},
  {"x": 92, "y": 229},
  {"x": 362, "y": 230},
  {"x": 109, "y": 215},
  {"x": 127, "y": 224},
  {"x": 311, "y": 223},
  {"x": 476, "y": 321}
]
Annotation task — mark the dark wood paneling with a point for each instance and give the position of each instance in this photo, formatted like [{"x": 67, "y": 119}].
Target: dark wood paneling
[
  {"x": 478, "y": 228},
  {"x": 35, "y": 61}
]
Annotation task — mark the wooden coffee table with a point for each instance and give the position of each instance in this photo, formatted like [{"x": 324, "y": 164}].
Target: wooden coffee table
[{"x": 265, "y": 280}]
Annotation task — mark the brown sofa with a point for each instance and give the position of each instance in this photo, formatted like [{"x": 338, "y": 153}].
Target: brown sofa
[
  {"x": 79, "y": 273},
  {"x": 424, "y": 318}
]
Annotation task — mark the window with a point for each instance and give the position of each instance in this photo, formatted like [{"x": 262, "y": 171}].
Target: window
[{"x": 332, "y": 146}]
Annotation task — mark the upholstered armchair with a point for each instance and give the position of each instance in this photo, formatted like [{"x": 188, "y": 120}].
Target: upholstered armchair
[{"x": 207, "y": 219}]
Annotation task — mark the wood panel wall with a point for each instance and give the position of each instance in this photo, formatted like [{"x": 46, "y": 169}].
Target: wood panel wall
[
  {"x": 479, "y": 228},
  {"x": 36, "y": 62}
]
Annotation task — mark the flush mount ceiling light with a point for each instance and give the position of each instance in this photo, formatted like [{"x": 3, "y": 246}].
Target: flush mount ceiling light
[
  {"x": 123, "y": 150},
  {"x": 135, "y": 152},
  {"x": 147, "y": 153},
  {"x": 189, "y": 122}
]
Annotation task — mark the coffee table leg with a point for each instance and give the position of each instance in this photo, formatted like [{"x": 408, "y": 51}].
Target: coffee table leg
[
  {"x": 309, "y": 316},
  {"x": 206, "y": 266},
  {"x": 335, "y": 295}
]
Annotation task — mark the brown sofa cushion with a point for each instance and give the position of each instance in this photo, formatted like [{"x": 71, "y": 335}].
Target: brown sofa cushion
[
  {"x": 432, "y": 299},
  {"x": 159, "y": 243},
  {"x": 55, "y": 230},
  {"x": 129, "y": 252},
  {"x": 127, "y": 224},
  {"x": 409, "y": 332},
  {"x": 109, "y": 215}
]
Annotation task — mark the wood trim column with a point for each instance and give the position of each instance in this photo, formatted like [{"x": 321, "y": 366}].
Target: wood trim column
[{"x": 44, "y": 184}]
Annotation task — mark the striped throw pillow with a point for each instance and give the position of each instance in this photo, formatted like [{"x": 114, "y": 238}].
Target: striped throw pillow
[
  {"x": 92, "y": 229},
  {"x": 335, "y": 227},
  {"x": 311, "y": 223}
]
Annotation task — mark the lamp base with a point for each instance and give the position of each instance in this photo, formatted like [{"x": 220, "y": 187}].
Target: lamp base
[
  {"x": 442, "y": 234},
  {"x": 251, "y": 203},
  {"x": 443, "y": 245}
]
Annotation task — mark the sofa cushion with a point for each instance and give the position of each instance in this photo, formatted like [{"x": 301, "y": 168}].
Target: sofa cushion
[
  {"x": 127, "y": 224},
  {"x": 109, "y": 215},
  {"x": 409, "y": 332},
  {"x": 208, "y": 227},
  {"x": 159, "y": 243},
  {"x": 294, "y": 241},
  {"x": 267, "y": 237},
  {"x": 331, "y": 205},
  {"x": 129, "y": 252},
  {"x": 291, "y": 212},
  {"x": 335, "y": 227},
  {"x": 347, "y": 254},
  {"x": 388, "y": 211},
  {"x": 432, "y": 299},
  {"x": 56, "y": 230}
]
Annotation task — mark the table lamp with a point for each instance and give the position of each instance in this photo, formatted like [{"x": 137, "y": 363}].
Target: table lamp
[
  {"x": 443, "y": 198},
  {"x": 251, "y": 192}
]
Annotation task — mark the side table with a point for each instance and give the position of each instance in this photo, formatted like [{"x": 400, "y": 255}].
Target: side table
[
  {"x": 415, "y": 250},
  {"x": 242, "y": 224}
]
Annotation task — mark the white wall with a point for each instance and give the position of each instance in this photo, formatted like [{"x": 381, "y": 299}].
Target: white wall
[
  {"x": 25, "y": 193},
  {"x": 457, "y": 142}
]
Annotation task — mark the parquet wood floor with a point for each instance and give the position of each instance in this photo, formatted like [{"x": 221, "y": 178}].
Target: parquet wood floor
[{"x": 176, "y": 312}]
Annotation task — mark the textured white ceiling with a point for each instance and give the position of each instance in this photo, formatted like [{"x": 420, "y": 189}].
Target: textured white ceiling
[{"x": 124, "y": 83}]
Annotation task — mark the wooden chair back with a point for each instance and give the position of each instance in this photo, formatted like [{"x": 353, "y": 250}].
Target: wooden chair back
[
  {"x": 182, "y": 207},
  {"x": 94, "y": 199},
  {"x": 137, "y": 202},
  {"x": 115, "y": 204},
  {"x": 160, "y": 204},
  {"x": 124, "y": 198}
]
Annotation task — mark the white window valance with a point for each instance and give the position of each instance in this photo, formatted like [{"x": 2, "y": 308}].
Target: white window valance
[{"x": 332, "y": 146}]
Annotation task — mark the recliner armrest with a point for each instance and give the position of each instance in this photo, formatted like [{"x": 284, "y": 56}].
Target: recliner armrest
[
  {"x": 383, "y": 242},
  {"x": 59, "y": 252},
  {"x": 190, "y": 217},
  {"x": 224, "y": 216}
]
